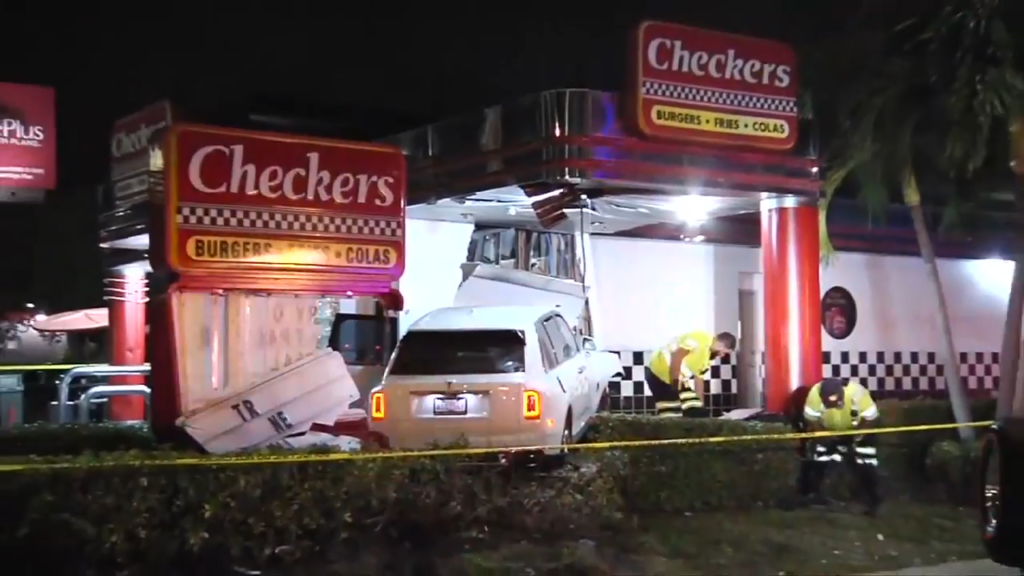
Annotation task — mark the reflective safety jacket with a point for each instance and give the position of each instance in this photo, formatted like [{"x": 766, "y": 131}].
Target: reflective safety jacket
[
  {"x": 856, "y": 406},
  {"x": 697, "y": 361}
]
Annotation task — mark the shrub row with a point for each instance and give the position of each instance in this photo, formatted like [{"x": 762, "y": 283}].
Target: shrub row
[
  {"x": 74, "y": 439},
  {"x": 166, "y": 519}
]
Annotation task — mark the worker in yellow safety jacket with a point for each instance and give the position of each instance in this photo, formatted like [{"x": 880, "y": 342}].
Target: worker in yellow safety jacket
[
  {"x": 675, "y": 374},
  {"x": 840, "y": 405}
]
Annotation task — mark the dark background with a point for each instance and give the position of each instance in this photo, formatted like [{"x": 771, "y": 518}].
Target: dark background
[{"x": 358, "y": 70}]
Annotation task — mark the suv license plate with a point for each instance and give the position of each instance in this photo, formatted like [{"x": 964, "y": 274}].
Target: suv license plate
[{"x": 449, "y": 406}]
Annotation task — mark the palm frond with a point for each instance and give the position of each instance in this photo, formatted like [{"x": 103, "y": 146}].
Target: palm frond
[
  {"x": 835, "y": 176},
  {"x": 872, "y": 191}
]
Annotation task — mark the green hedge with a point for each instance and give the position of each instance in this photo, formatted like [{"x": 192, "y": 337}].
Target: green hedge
[
  {"x": 74, "y": 439},
  {"x": 165, "y": 519}
]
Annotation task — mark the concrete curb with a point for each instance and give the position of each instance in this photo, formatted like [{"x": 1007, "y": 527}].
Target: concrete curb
[{"x": 972, "y": 568}]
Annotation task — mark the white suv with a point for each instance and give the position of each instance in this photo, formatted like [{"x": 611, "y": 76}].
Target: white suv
[{"x": 496, "y": 376}]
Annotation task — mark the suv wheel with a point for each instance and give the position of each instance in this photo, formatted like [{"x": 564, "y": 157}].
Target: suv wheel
[{"x": 1002, "y": 493}]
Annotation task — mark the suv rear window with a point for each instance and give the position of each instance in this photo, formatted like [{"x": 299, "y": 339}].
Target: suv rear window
[{"x": 437, "y": 353}]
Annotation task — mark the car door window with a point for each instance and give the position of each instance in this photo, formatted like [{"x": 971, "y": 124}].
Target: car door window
[
  {"x": 570, "y": 347},
  {"x": 557, "y": 342},
  {"x": 563, "y": 349},
  {"x": 547, "y": 351}
]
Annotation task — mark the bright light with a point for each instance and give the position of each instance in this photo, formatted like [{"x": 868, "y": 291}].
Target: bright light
[
  {"x": 693, "y": 209},
  {"x": 30, "y": 305},
  {"x": 39, "y": 317},
  {"x": 993, "y": 275},
  {"x": 698, "y": 238}
]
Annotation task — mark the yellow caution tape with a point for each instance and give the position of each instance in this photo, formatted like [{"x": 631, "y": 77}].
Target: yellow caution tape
[
  {"x": 349, "y": 456},
  {"x": 32, "y": 367}
]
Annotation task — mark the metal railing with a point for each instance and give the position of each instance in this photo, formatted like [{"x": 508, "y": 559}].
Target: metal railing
[
  {"x": 101, "y": 393},
  {"x": 64, "y": 386}
]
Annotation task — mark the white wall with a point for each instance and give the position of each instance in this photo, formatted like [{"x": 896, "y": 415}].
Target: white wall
[
  {"x": 651, "y": 290},
  {"x": 434, "y": 252},
  {"x": 896, "y": 307}
]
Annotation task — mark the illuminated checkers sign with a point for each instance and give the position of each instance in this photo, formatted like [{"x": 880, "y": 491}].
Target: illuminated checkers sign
[
  {"x": 242, "y": 200},
  {"x": 703, "y": 86}
]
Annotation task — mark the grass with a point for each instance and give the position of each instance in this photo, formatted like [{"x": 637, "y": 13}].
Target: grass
[{"x": 838, "y": 540}]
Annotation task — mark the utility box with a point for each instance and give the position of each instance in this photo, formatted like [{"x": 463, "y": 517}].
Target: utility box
[{"x": 12, "y": 400}]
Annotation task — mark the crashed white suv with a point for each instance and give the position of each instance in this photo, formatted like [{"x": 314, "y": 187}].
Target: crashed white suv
[{"x": 496, "y": 376}]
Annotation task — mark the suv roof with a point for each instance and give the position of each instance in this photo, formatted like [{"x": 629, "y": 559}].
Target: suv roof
[{"x": 482, "y": 318}]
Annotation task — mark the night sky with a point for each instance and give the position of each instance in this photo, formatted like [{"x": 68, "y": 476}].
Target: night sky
[{"x": 366, "y": 68}]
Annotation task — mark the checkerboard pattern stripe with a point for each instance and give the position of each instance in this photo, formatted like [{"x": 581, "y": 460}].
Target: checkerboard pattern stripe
[
  {"x": 726, "y": 98},
  {"x": 630, "y": 395},
  {"x": 191, "y": 216},
  {"x": 903, "y": 372},
  {"x": 888, "y": 374}
]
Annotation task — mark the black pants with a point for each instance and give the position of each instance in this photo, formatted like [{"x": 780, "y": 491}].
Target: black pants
[
  {"x": 860, "y": 456},
  {"x": 671, "y": 401}
]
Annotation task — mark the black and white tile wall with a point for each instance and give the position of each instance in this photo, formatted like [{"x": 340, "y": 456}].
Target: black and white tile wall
[{"x": 889, "y": 374}]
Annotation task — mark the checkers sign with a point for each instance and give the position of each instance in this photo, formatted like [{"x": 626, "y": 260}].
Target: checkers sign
[
  {"x": 252, "y": 200},
  {"x": 704, "y": 86}
]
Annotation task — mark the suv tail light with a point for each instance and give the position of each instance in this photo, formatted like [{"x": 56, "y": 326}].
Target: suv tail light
[
  {"x": 531, "y": 405},
  {"x": 377, "y": 406}
]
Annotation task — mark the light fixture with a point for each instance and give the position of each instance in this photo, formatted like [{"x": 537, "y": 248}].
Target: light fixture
[
  {"x": 692, "y": 209},
  {"x": 30, "y": 305}
]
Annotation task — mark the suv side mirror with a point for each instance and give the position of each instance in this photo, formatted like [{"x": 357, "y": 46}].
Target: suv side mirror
[{"x": 588, "y": 343}]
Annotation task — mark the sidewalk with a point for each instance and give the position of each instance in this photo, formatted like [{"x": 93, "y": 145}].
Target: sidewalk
[{"x": 973, "y": 568}]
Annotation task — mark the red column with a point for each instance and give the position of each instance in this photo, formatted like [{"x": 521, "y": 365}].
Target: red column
[
  {"x": 792, "y": 300},
  {"x": 126, "y": 299}
]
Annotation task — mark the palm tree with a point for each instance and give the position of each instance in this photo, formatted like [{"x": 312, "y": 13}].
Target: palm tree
[
  {"x": 928, "y": 109},
  {"x": 986, "y": 90}
]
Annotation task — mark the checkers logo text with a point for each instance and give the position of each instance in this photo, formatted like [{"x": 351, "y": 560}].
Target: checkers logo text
[
  {"x": 714, "y": 88},
  {"x": 234, "y": 167}
]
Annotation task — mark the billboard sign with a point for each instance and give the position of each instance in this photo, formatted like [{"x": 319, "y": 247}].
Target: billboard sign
[
  {"x": 261, "y": 201},
  {"x": 704, "y": 86},
  {"x": 136, "y": 157},
  {"x": 28, "y": 137}
]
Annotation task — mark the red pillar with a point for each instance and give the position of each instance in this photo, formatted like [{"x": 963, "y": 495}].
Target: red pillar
[
  {"x": 792, "y": 300},
  {"x": 126, "y": 299}
]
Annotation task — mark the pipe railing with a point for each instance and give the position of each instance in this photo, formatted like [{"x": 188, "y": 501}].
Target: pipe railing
[
  {"x": 64, "y": 386},
  {"x": 106, "y": 391}
]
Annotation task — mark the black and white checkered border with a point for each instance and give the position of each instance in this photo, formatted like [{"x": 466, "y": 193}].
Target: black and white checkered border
[
  {"x": 275, "y": 221},
  {"x": 726, "y": 98},
  {"x": 893, "y": 374},
  {"x": 630, "y": 394},
  {"x": 897, "y": 371}
]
